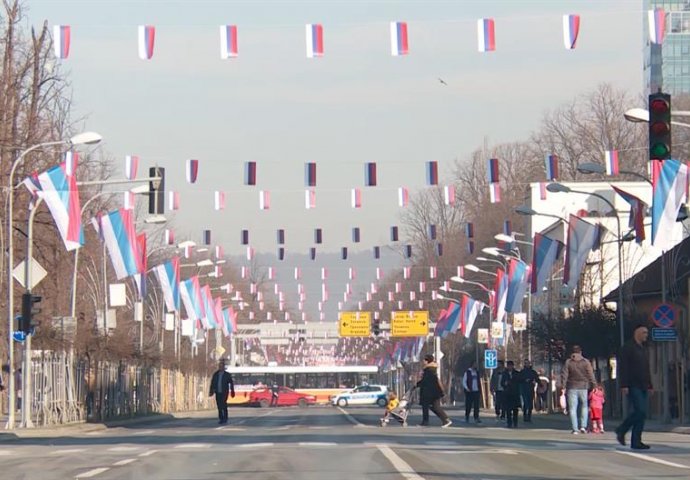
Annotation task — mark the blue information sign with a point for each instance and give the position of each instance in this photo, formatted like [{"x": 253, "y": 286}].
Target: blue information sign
[
  {"x": 490, "y": 359},
  {"x": 664, "y": 334},
  {"x": 19, "y": 336}
]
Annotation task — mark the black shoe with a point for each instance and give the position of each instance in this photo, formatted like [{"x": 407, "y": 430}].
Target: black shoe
[
  {"x": 620, "y": 436},
  {"x": 640, "y": 446},
  {"x": 424, "y": 424}
]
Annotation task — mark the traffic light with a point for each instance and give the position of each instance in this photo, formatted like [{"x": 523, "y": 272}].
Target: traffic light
[
  {"x": 376, "y": 327},
  {"x": 29, "y": 310},
  {"x": 659, "y": 126},
  {"x": 157, "y": 191}
]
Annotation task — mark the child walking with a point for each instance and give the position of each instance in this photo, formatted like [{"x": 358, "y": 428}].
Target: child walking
[{"x": 596, "y": 408}]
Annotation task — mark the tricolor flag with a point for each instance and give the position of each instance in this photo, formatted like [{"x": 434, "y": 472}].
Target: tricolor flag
[
  {"x": 140, "y": 278},
  {"x": 394, "y": 234},
  {"x": 431, "y": 231},
  {"x": 314, "y": 33},
  {"x": 486, "y": 35},
  {"x": 71, "y": 162},
  {"x": 264, "y": 200},
  {"x": 120, "y": 237},
  {"x": 206, "y": 236},
  {"x": 611, "y": 162},
  {"x": 495, "y": 192},
  {"x": 668, "y": 194},
  {"x": 61, "y": 40},
  {"x": 131, "y": 166},
  {"x": 399, "y": 44},
  {"x": 583, "y": 237},
  {"x": 657, "y": 25},
  {"x": 551, "y": 163},
  {"x": 192, "y": 169},
  {"x": 168, "y": 275},
  {"x": 433, "y": 272},
  {"x": 370, "y": 179},
  {"x": 351, "y": 273},
  {"x": 501, "y": 295},
  {"x": 250, "y": 253},
  {"x": 518, "y": 279},
  {"x": 571, "y": 29},
  {"x": 355, "y": 234},
  {"x": 250, "y": 173},
  {"x": 356, "y": 198},
  {"x": 637, "y": 213},
  {"x": 129, "y": 200},
  {"x": 432, "y": 173},
  {"x": 507, "y": 228},
  {"x": 147, "y": 37},
  {"x": 190, "y": 294},
  {"x": 449, "y": 194},
  {"x": 439, "y": 249},
  {"x": 469, "y": 230},
  {"x": 244, "y": 237},
  {"x": 169, "y": 237},
  {"x": 298, "y": 273},
  {"x": 343, "y": 253},
  {"x": 318, "y": 235},
  {"x": 310, "y": 199},
  {"x": 492, "y": 170},
  {"x": 218, "y": 252},
  {"x": 377, "y": 252},
  {"x": 403, "y": 196},
  {"x": 280, "y": 236},
  {"x": 173, "y": 200},
  {"x": 219, "y": 200},
  {"x": 228, "y": 41},
  {"x": 542, "y": 190},
  {"x": 471, "y": 308},
  {"x": 470, "y": 247}
]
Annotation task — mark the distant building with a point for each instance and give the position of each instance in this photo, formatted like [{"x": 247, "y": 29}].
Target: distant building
[{"x": 666, "y": 66}]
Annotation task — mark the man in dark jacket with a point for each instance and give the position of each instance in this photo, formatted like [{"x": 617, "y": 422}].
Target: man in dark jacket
[
  {"x": 431, "y": 393},
  {"x": 497, "y": 391},
  {"x": 528, "y": 380},
  {"x": 221, "y": 385},
  {"x": 510, "y": 380},
  {"x": 471, "y": 386},
  {"x": 635, "y": 381}
]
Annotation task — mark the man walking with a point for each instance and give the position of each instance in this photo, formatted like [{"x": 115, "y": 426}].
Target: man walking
[
  {"x": 431, "y": 393},
  {"x": 511, "y": 393},
  {"x": 221, "y": 385},
  {"x": 497, "y": 391},
  {"x": 578, "y": 377},
  {"x": 528, "y": 380},
  {"x": 635, "y": 381},
  {"x": 470, "y": 384}
]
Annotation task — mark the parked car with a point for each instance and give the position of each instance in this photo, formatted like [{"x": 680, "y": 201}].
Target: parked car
[
  {"x": 362, "y": 395},
  {"x": 286, "y": 397}
]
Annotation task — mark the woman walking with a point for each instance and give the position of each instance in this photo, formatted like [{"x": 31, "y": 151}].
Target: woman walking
[{"x": 431, "y": 393}]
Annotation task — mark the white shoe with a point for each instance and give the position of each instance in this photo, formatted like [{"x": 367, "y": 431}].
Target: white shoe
[
  {"x": 575, "y": 432},
  {"x": 447, "y": 424}
]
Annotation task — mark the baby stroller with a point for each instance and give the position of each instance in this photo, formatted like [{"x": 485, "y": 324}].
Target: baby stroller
[{"x": 401, "y": 412}]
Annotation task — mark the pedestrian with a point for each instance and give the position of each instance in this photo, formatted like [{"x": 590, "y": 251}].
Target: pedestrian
[
  {"x": 221, "y": 385},
  {"x": 470, "y": 385},
  {"x": 578, "y": 378},
  {"x": 528, "y": 382},
  {"x": 635, "y": 381},
  {"x": 597, "y": 398},
  {"x": 497, "y": 390},
  {"x": 274, "y": 394},
  {"x": 543, "y": 389},
  {"x": 431, "y": 392},
  {"x": 511, "y": 393}
]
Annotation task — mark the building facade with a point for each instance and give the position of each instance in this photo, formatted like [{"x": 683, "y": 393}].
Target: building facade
[{"x": 667, "y": 66}]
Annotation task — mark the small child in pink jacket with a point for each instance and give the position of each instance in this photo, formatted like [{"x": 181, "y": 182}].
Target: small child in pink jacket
[{"x": 596, "y": 408}]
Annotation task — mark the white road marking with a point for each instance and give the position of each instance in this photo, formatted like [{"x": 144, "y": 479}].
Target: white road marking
[
  {"x": 400, "y": 465},
  {"x": 92, "y": 473},
  {"x": 497, "y": 451},
  {"x": 649, "y": 458},
  {"x": 122, "y": 449},
  {"x": 124, "y": 462},
  {"x": 193, "y": 445},
  {"x": 6, "y": 452},
  {"x": 286, "y": 427},
  {"x": 350, "y": 418},
  {"x": 319, "y": 428},
  {"x": 440, "y": 443},
  {"x": 318, "y": 444},
  {"x": 68, "y": 450},
  {"x": 256, "y": 445},
  {"x": 230, "y": 429},
  {"x": 146, "y": 454},
  {"x": 144, "y": 432},
  {"x": 97, "y": 432}
]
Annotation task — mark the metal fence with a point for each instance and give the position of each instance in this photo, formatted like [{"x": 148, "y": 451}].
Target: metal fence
[{"x": 66, "y": 392}]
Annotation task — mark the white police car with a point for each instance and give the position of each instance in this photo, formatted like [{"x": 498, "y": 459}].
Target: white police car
[{"x": 362, "y": 395}]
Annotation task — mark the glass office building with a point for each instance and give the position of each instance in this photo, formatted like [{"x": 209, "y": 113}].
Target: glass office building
[{"x": 667, "y": 66}]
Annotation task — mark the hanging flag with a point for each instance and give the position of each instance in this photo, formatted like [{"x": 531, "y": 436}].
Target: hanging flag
[
  {"x": 219, "y": 200},
  {"x": 657, "y": 25},
  {"x": 280, "y": 236},
  {"x": 168, "y": 274},
  {"x": 394, "y": 234},
  {"x": 343, "y": 253},
  {"x": 218, "y": 253},
  {"x": 551, "y": 167},
  {"x": 469, "y": 230},
  {"x": 228, "y": 41},
  {"x": 470, "y": 247},
  {"x": 432, "y": 173},
  {"x": 449, "y": 194},
  {"x": 495, "y": 192},
  {"x": 131, "y": 166},
  {"x": 501, "y": 295},
  {"x": 250, "y": 253},
  {"x": 310, "y": 174},
  {"x": 317, "y": 235},
  {"x": 351, "y": 273},
  {"x": 61, "y": 194},
  {"x": 355, "y": 234},
  {"x": 508, "y": 228},
  {"x": 492, "y": 170},
  {"x": 439, "y": 249},
  {"x": 433, "y": 272},
  {"x": 460, "y": 271},
  {"x": 264, "y": 200},
  {"x": 310, "y": 199},
  {"x": 118, "y": 232},
  {"x": 408, "y": 251},
  {"x": 542, "y": 190},
  {"x": 140, "y": 278},
  {"x": 61, "y": 40},
  {"x": 611, "y": 162},
  {"x": 403, "y": 197},
  {"x": 190, "y": 294},
  {"x": 314, "y": 33},
  {"x": 281, "y": 253},
  {"x": 244, "y": 237},
  {"x": 188, "y": 251},
  {"x": 471, "y": 309},
  {"x": 129, "y": 200},
  {"x": 637, "y": 213},
  {"x": 356, "y": 198},
  {"x": 571, "y": 29},
  {"x": 192, "y": 170},
  {"x": 399, "y": 45},
  {"x": 312, "y": 253},
  {"x": 147, "y": 36},
  {"x": 431, "y": 232},
  {"x": 250, "y": 173},
  {"x": 518, "y": 279},
  {"x": 377, "y": 252},
  {"x": 583, "y": 237},
  {"x": 486, "y": 35},
  {"x": 173, "y": 200},
  {"x": 169, "y": 237},
  {"x": 669, "y": 191},
  {"x": 206, "y": 235},
  {"x": 407, "y": 271},
  {"x": 370, "y": 174},
  {"x": 71, "y": 162}
]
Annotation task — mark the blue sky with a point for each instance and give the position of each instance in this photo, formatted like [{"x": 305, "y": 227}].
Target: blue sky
[{"x": 357, "y": 104}]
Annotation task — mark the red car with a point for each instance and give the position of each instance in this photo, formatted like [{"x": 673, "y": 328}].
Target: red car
[{"x": 286, "y": 397}]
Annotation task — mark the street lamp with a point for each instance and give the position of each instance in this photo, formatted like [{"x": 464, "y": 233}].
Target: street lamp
[
  {"x": 85, "y": 138},
  {"x": 591, "y": 167},
  {"x": 476, "y": 269},
  {"x": 641, "y": 115}
]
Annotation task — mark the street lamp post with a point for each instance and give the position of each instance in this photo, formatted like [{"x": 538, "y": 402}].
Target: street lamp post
[{"x": 86, "y": 138}]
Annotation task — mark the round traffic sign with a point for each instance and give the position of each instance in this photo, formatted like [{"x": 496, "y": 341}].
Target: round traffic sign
[{"x": 664, "y": 315}]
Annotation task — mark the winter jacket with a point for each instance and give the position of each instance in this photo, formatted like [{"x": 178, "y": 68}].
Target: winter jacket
[
  {"x": 429, "y": 386},
  {"x": 577, "y": 373},
  {"x": 633, "y": 367},
  {"x": 596, "y": 399},
  {"x": 510, "y": 380}
]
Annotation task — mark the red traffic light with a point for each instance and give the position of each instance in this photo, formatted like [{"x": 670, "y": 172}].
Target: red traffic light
[{"x": 659, "y": 106}]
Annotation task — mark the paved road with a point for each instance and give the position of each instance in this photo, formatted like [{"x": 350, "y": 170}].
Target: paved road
[{"x": 330, "y": 443}]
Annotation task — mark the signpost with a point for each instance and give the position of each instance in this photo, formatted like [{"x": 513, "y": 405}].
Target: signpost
[
  {"x": 354, "y": 324},
  {"x": 410, "y": 323},
  {"x": 490, "y": 359},
  {"x": 664, "y": 317}
]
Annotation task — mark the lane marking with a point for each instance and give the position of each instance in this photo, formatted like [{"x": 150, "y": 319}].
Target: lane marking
[
  {"x": 257, "y": 445},
  {"x": 649, "y": 458},
  {"x": 400, "y": 465},
  {"x": 122, "y": 449},
  {"x": 317, "y": 444},
  {"x": 350, "y": 418},
  {"x": 443, "y": 444},
  {"x": 93, "y": 473},
  {"x": 231, "y": 429},
  {"x": 97, "y": 432},
  {"x": 124, "y": 462},
  {"x": 6, "y": 452},
  {"x": 286, "y": 427},
  {"x": 144, "y": 432},
  {"x": 146, "y": 454},
  {"x": 68, "y": 450},
  {"x": 497, "y": 451},
  {"x": 319, "y": 428},
  {"x": 193, "y": 445}
]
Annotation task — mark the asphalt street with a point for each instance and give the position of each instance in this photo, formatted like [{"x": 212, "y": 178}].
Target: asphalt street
[{"x": 332, "y": 443}]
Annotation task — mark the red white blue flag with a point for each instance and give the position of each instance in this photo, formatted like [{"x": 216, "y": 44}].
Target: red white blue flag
[
  {"x": 192, "y": 169},
  {"x": 131, "y": 166},
  {"x": 657, "y": 25},
  {"x": 583, "y": 237},
  {"x": 61, "y": 40},
  {"x": 314, "y": 33},
  {"x": 518, "y": 279},
  {"x": 637, "y": 212},
  {"x": 551, "y": 164},
  {"x": 168, "y": 274},
  {"x": 147, "y": 38},
  {"x": 571, "y": 29},
  {"x": 668, "y": 194},
  {"x": 403, "y": 197},
  {"x": 611, "y": 162},
  {"x": 356, "y": 198},
  {"x": 486, "y": 35},
  {"x": 228, "y": 41},
  {"x": 399, "y": 43},
  {"x": 120, "y": 237}
]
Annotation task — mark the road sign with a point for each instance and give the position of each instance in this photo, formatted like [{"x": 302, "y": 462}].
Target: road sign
[
  {"x": 490, "y": 359},
  {"x": 354, "y": 324},
  {"x": 410, "y": 323},
  {"x": 664, "y": 334},
  {"x": 663, "y": 315},
  {"x": 19, "y": 336},
  {"x": 38, "y": 273}
]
